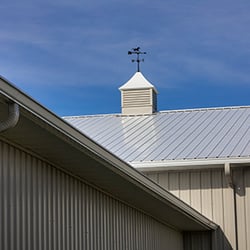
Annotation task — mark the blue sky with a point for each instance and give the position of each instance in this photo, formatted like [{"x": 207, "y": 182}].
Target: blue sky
[{"x": 71, "y": 55}]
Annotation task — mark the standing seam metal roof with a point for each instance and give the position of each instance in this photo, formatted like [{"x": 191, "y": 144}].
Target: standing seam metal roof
[{"x": 171, "y": 135}]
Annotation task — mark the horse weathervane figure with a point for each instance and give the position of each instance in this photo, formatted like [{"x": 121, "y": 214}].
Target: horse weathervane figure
[{"x": 138, "y": 53}]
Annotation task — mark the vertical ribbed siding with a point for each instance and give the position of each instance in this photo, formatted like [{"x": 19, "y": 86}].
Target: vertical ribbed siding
[
  {"x": 45, "y": 208},
  {"x": 207, "y": 192},
  {"x": 242, "y": 181}
]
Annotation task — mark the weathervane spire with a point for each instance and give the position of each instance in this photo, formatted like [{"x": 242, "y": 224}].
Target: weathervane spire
[{"x": 138, "y": 53}]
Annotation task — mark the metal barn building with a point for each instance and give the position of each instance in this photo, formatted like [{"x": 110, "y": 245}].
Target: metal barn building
[
  {"x": 202, "y": 156},
  {"x": 61, "y": 190}
]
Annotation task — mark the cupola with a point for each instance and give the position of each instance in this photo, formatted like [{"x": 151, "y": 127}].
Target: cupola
[{"x": 138, "y": 96}]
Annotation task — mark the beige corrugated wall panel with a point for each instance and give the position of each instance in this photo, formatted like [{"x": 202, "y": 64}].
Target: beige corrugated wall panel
[
  {"x": 184, "y": 187},
  {"x": 195, "y": 184},
  {"x": 217, "y": 197},
  {"x": 197, "y": 240},
  {"x": 173, "y": 183},
  {"x": 228, "y": 212},
  {"x": 163, "y": 179},
  {"x": 242, "y": 181},
  {"x": 42, "y": 207},
  {"x": 247, "y": 206},
  {"x": 207, "y": 192},
  {"x": 153, "y": 176}
]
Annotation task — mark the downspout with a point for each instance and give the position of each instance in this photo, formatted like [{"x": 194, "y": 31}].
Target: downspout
[
  {"x": 12, "y": 119},
  {"x": 231, "y": 184}
]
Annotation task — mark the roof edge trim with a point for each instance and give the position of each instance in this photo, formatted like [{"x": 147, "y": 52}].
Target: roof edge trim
[{"x": 189, "y": 164}]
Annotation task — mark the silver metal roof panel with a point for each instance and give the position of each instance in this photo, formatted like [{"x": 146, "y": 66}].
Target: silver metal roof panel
[{"x": 172, "y": 135}]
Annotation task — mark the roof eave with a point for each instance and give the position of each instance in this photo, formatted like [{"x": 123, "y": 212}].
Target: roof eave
[
  {"x": 123, "y": 179},
  {"x": 190, "y": 164}
]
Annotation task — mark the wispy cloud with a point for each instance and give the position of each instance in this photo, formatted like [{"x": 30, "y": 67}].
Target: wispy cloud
[{"x": 184, "y": 39}]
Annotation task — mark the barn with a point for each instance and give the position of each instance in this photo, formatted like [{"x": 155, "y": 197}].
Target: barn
[
  {"x": 60, "y": 189},
  {"x": 202, "y": 156}
]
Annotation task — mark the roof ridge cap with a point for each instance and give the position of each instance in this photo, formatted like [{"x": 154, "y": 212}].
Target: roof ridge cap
[
  {"x": 86, "y": 116},
  {"x": 202, "y": 109},
  {"x": 159, "y": 112}
]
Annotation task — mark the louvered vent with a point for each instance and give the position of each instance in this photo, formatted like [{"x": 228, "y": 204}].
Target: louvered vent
[
  {"x": 136, "y": 98},
  {"x": 140, "y": 101}
]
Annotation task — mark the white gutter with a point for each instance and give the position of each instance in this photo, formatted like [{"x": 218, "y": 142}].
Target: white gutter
[
  {"x": 12, "y": 119},
  {"x": 193, "y": 164}
]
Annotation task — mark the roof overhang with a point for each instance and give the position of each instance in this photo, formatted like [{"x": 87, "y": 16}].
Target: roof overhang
[{"x": 49, "y": 137}]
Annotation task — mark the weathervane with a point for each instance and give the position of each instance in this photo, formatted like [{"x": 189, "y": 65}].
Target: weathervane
[{"x": 138, "y": 53}]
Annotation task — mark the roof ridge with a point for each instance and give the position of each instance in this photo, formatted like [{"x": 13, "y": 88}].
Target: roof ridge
[
  {"x": 203, "y": 109},
  {"x": 159, "y": 112},
  {"x": 87, "y": 116}
]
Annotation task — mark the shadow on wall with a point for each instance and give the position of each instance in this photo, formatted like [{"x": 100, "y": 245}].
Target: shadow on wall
[
  {"x": 206, "y": 240},
  {"x": 241, "y": 180},
  {"x": 201, "y": 179},
  {"x": 208, "y": 192}
]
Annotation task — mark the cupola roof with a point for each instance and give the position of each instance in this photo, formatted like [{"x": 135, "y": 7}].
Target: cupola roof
[{"x": 138, "y": 81}]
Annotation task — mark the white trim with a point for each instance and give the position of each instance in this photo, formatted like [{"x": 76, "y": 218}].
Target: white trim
[{"x": 189, "y": 164}]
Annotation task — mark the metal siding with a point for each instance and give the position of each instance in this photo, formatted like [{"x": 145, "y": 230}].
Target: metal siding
[
  {"x": 195, "y": 190},
  {"x": 247, "y": 206},
  {"x": 153, "y": 176},
  {"x": 228, "y": 212},
  {"x": 184, "y": 187},
  {"x": 208, "y": 193},
  {"x": 172, "y": 135},
  {"x": 242, "y": 179},
  {"x": 217, "y": 198},
  {"x": 173, "y": 181},
  {"x": 45, "y": 208},
  {"x": 163, "y": 180},
  {"x": 197, "y": 241}
]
